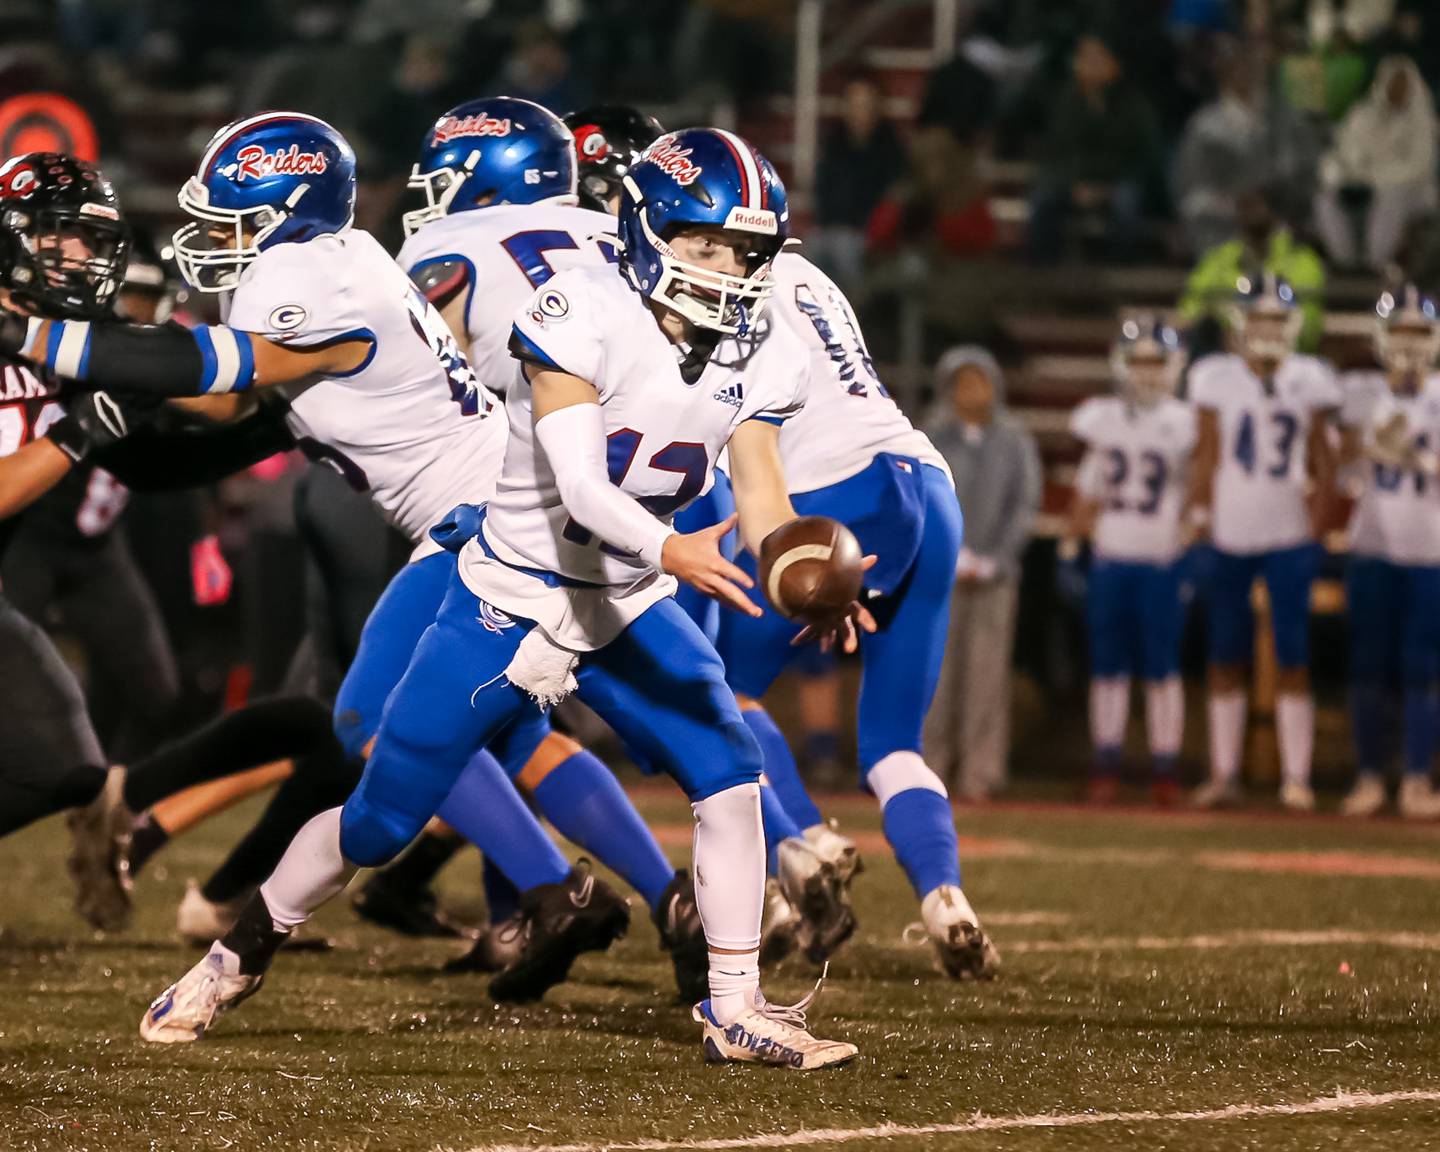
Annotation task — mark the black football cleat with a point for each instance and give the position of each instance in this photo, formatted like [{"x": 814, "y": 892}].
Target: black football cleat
[
  {"x": 407, "y": 910},
  {"x": 682, "y": 935},
  {"x": 559, "y": 922},
  {"x": 499, "y": 945}
]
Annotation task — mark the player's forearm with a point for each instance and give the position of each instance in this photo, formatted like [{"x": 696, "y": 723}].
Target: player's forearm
[
  {"x": 28, "y": 474},
  {"x": 154, "y": 360},
  {"x": 573, "y": 439},
  {"x": 757, "y": 475}
]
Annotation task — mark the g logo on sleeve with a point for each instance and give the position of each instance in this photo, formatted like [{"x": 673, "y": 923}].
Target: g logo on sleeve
[
  {"x": 288, "y": 318},
  {"x": 552, "y": 306}
]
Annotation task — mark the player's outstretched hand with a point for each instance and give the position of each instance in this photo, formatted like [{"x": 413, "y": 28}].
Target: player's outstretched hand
[
  {"x": 844, "y": 631},
  {"x": 695, "y": 558}
]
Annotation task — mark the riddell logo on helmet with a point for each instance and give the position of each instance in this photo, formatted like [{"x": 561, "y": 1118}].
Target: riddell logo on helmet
[
  {"x": 452, "y": 127},
  {"x": 752, "y": 220},
  {"x": 254, "y": 163},
  {"x": 674, "y": 162}
]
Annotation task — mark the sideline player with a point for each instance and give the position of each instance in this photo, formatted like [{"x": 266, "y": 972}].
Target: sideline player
[
  {"x": 1261, "y": 483},
  {"x": 1392, "y": 580},
  {"x": 631, "y": 385},
  {"x": 1129, "y": 494}
]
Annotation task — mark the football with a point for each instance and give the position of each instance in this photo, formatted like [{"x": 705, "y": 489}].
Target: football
[{"x": 810, "y": 569}]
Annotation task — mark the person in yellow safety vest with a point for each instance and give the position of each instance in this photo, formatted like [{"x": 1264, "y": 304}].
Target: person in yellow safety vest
[{"x": 1264, "y": 243}]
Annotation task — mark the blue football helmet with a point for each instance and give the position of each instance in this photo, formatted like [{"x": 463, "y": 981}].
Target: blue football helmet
[
  {"x": 275, "y": 178},
  {"x": 1265, "y": 320},
  {"x": 1147, "y": 359},
  {"x": 1407, "y": 332},
  {"x": 498, "y": 151},
  {"x": 694, "y": 177}
]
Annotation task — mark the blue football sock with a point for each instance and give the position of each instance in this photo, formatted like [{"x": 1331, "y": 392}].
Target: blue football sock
[
  {"x": 1368, "y": 721},
  {"x": 921, "y": 831},
  {"x": 1420, "y": 719},
  {"x": 585, "y": 802},
  {"x": 1166, "y": 767},
  {"x": 822, "y": 745},
  {"x": 780, "y": 769},
  {"x": 485, "y": 808},
  {"x": 778, "y": 825},
  {"x": 501, "y": 896},
  {"x": 1106, "y": 764}
]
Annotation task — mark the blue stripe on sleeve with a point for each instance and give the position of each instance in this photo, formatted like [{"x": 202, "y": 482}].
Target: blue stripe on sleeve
[
  {"x": 211, "y": 363},
  {"x": 246, "y": 375},
  {"x": 52, "y": 343}
]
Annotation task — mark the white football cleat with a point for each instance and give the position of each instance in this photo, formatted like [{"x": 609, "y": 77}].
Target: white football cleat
[
  {"x": 835, "y": 849},
  {"x": 779, "y": 926},
  {"x": 815, "y": 891},
  {"x": 1418, "y": 799},
  {"x": 1217, "y": 794},
  {"x": 186, "y": 1009},
  {"x": 199, "y": 921},
  {"x": 770, "y": 1034},
  {"x": 962, "y": 948},
  {"x": 1297, "y": 797},
  {"x": 1366, "y": 798}
]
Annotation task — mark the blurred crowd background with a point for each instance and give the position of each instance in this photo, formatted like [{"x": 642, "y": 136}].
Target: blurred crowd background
[{"x": 993, "y": 182}]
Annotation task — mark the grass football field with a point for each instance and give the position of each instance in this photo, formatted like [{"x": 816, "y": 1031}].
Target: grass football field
[{"x": 1179, "y": 981}]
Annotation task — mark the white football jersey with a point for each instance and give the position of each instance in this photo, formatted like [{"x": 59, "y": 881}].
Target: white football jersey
[
  {"x": 1260, "y": 483},
  {"x": 665, "y": 435},
  {"x": 1397, "y": 516},
  {"x": 848, "y": 417},
  {"x": 507, "y": 252},
  {"x": 410, "y": 424},
  {"x": 1135, "y": 467}
]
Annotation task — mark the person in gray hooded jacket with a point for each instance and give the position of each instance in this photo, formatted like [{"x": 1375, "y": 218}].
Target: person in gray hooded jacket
[{"x": 997, "y": 475}]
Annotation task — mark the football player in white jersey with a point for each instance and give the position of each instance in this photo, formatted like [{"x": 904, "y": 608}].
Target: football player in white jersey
[
  {"x": 851, "y": 454},
  {"x": 1391, "y": 423},
  {"x": 1262, "y": 478},
  {"x": 500, "y": 219},
  {"x": 628, "y": 387},
  {"x": 1129, "y": 493},
  {"x": 377, "y": 388}
]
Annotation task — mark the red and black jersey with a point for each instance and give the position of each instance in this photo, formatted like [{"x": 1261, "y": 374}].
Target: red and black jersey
[{"x": 29, "y": 404}]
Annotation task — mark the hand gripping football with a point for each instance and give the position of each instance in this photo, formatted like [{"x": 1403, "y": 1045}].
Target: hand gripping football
[{"x": 810, "y": 569}]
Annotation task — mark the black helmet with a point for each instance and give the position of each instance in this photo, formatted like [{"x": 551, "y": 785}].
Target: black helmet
[
  {"x": 47, "y": 199},
  {"x": 608, "y": 139}
]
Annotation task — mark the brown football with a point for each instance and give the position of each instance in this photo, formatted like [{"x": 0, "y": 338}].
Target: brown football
[{"x": 810, "y": 569}]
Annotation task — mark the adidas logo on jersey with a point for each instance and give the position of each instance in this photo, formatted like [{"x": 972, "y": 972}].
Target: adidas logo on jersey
[{"x": 732, "y": 394}]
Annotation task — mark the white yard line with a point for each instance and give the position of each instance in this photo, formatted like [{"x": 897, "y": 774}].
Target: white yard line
[
  {"x": 1341, "y": 1102},
  {"x": 1263, "y": 938}
]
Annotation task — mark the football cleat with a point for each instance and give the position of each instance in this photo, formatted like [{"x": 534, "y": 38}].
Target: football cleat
[
  {"x": 779, "y": 926},
  {"x": 1165, "y": 792},
  {"x": 1366, "y": 798},
  {"x": 1297, "y": 797},
  {"x": 558, "y": 922},
  {"x": 100, "y": 837},
  {"x": 499, "y": 945},
  {"x": 813, "y": 887},
  {"x": 770, "y": 1034},
  {"x": 407, "y": 910},
  {"x": 677, "y": 918},
  {"x": 184, "y": 1011},
  {"x": 1102, "y": 790},
  {"x": 199, "y": 921},
  {"x": 1217, "y": 794},
  {"x": 836, "y": 850},
  {"x": 1418, "y": 799},
  {"x": 963, "y": 950}
]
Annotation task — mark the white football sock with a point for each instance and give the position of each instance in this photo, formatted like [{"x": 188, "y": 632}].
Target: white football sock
[
  {"x": 1109, "y": 709},
  {"x": 1165, "y": 716},
  {"x": 730, "y": 894},
  {"x": 1295, "y": 719},
  {"x": 310, "y": 873},
  {"x": 1227, "y": 734}
]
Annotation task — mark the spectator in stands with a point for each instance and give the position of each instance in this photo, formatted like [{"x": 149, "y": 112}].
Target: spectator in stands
[
  {"x": 960, "y": 98},
  {"x": 997, "y": 476},
  {"x": 1100, "y": 154},
  {"x": 1381, "y": 173},
  {"x": 540, "y": 70},
  {"x": 1263, "y": 243},
  {"x": 1224, "y": 150},
  {"x": 860, "y": 159}
]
